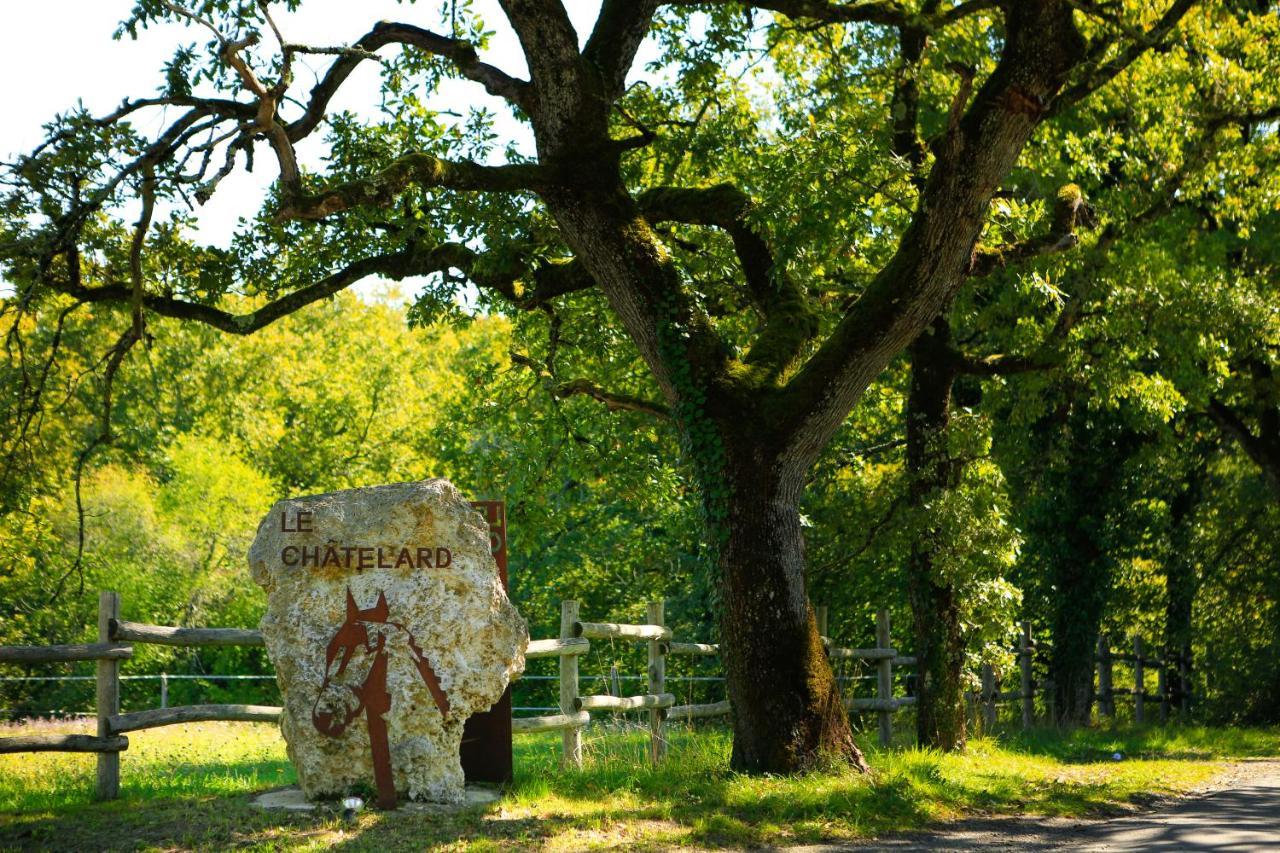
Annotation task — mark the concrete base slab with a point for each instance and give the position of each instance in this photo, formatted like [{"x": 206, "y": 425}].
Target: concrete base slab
[{"x": 291, "y": 799}]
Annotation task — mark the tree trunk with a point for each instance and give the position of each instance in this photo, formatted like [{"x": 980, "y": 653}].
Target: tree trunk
[
  {"x": 1081, "y": 580},
  {"x": 1180, "y": 590},
  {"x": 788, "y": 714},
  {"x": 1080, "y": 567},
  {"x": 1076, "y": 523},
  {"x": 1180, "y": 578},
  {"x": 935, "y": 612}
]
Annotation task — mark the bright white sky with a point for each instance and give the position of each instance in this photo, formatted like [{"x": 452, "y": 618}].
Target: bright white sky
[{"x": 84, "y": 62}]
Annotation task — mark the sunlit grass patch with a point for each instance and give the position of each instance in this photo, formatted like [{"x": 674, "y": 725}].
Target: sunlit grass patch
[{"x": 195, "y": 759}]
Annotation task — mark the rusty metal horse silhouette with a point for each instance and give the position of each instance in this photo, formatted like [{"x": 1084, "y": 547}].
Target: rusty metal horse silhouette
[{"x": 355, "y": 680}]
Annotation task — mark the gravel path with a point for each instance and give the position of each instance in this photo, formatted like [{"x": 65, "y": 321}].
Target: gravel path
[{"x": 1241, "y": 812}]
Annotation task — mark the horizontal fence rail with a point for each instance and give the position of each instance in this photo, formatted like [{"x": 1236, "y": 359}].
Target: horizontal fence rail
[
  {"x": 552, "y": 723},
  {"x": 64, "y": 654},
  {"x": 194, "y": 714},
  {"x": 556, "y": 648},
  {"x": 62, "y": 743},
  {"x": 165, "y": 635},
  {"x": 689, "y": 712},
  {"x": 609, "y": 631}
]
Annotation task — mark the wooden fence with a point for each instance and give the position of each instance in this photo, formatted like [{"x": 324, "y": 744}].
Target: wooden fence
[
  {"x": 575, "y": 709},
  {"x": 115, "y": 636},
  {"x": 1141, "y": 663}
]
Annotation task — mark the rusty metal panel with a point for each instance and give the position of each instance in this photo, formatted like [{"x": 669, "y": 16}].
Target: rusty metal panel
[
  {"x": 353, "y": 640},
  {"x": 486, "y": 738}
]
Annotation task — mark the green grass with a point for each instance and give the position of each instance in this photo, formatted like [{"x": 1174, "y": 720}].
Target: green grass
[{"x": 188, "y": 787}]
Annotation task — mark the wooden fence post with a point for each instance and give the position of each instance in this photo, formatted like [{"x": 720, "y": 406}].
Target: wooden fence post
[
  {"x": 108, "y": 698},
  {"x": 1028, "y": 683},
  {"x": 164, "y": 690},
  {"x": 988, "y": 699},
  {"x": 571, "y": 743},
  {"x": 657, "y": 685},
  {"x": 1105, "y": 705},
  {"x": 820, "y": 616},
  {"x": 1139, "y": 682},
  {"x": 884, "y": 680}
]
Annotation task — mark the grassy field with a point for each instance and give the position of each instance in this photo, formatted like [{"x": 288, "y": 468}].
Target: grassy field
[{"x": 188, "y": 787}]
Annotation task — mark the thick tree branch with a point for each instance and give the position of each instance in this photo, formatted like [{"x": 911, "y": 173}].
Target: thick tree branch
[
  {"x": 1041, "y": 48},
  {"x": 550, "y": 48},
  {"x": 904, "y": 107},
  {"x": 723, "y": 206},
  {"x": 612, "y": 47},
  {"x": 525, "y": 287},
  {"x": 393, "y": 266},
  {"x": 1070, "y": 210},
  {"x": 547, "y": 281},
  {"x": 457, "y": 51},
  {"x": 1008, "y": 365},
  {"x": 419, "y": 169},
  {"x": 789, "y": 322}
]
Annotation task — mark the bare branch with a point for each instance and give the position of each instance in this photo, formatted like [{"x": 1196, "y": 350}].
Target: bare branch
[
  {"x": 548, "y": 280},
  {"x": 612, "y": 401},
  {"x": 1097, "y": 73},
  {"x": 184, "y": 12}
]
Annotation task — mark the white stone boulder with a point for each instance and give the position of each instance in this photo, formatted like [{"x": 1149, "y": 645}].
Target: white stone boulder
[{"x": 388, "y": 626}]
